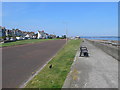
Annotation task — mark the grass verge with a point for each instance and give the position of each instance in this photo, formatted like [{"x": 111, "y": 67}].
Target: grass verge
[
  {"x": 55, "y": 77},
  {"x": 21, "y": 42}
]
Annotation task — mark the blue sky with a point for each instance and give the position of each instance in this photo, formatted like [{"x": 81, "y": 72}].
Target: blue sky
[{"x": 81, "y": 18}]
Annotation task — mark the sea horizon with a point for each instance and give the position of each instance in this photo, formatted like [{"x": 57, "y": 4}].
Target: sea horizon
[{"x": 114, "y": 38}]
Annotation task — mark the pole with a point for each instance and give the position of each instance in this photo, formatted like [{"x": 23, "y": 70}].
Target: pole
[
  {"x": 66, "y": 34},
  {"x": 66, "y": 31}
]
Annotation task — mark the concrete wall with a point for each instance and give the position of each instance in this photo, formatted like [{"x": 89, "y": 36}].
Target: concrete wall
[{"x": 111, "y": 50}]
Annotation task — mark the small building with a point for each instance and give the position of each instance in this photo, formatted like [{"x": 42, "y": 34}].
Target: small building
[
  {"x": 18, "y": 33},
  {"x": 52, "y": 36},
  {"x": 27, "y": 36},
  {"x": 30, "y": 35},
  {"x": 77, "y": 37},
  {"x": 2, "y": 32}
]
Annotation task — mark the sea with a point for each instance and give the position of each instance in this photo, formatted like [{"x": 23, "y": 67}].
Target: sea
[{"x": 103, "y": 38}]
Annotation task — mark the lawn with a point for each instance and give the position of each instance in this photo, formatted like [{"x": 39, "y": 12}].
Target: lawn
[
  {"x": 55, "y": 77},
  {"x": 20, "y": 42}
]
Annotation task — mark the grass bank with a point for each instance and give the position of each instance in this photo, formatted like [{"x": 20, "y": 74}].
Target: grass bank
[
  {"x": 21, "y": 42},
  {"x": 55, "y": 77}
]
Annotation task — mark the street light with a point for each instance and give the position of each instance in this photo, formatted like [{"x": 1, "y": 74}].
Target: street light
[
  {"x": 66, "y": 33},
  {"x": 66, "y": 30}
]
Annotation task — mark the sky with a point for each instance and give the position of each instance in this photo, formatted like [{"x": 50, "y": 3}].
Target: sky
[{"x": 77, "y": 18}]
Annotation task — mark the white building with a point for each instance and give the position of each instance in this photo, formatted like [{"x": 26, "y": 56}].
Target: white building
[
  {"x": 27, "y": 36},
  {"x": 41, "y": 34}
]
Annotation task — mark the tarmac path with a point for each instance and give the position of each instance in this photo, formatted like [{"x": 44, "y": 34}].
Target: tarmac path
[
  {"x": 20, "y": 62},
  {"x": 100, "y": 70}
]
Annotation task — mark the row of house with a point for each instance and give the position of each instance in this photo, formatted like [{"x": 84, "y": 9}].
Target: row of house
[{"x": 6, "y": 34}]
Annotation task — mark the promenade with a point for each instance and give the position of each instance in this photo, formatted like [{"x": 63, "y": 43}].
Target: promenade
[{"x": 100, "y": 70}]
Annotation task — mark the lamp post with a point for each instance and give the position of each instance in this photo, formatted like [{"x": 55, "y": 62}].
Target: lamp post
[
  {"x": 66, "y": 30},
  {"x": 66, "y": 33}
]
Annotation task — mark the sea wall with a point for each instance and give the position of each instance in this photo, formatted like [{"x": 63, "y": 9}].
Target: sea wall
[{"x": 111, "y": 50}]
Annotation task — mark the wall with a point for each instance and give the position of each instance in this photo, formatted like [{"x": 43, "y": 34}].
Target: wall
[{"x": 111, "y": 50}]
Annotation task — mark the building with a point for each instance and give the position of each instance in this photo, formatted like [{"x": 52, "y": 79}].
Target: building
[
  {"x": 52, "y": 36},
  {"x": 16, "y": 34},
  {"x": 30, "y": 35},
  {"x": 47, "y": 35},
  {"x": 77, "y": 37},
  {"x": 2, "y": 31},
  {"x": 41, "y": 35}
]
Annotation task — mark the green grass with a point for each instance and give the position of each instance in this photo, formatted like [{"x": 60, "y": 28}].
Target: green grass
[
  {"x": 55, "y": 77},
  {"x": 23, "y": 42}
]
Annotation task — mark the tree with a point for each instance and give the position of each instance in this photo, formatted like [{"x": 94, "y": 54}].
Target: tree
[
  {"x": 57, "y": 37},
  {"x": 64, "y": 36}
]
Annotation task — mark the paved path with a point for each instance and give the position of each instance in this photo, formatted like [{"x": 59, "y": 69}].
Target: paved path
[
  {"x": 97, "y": 71},
  {"x": 20, "y": 62}
]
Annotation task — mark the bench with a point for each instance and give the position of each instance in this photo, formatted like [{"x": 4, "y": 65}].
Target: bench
[{"x": 84, "y": 51}]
